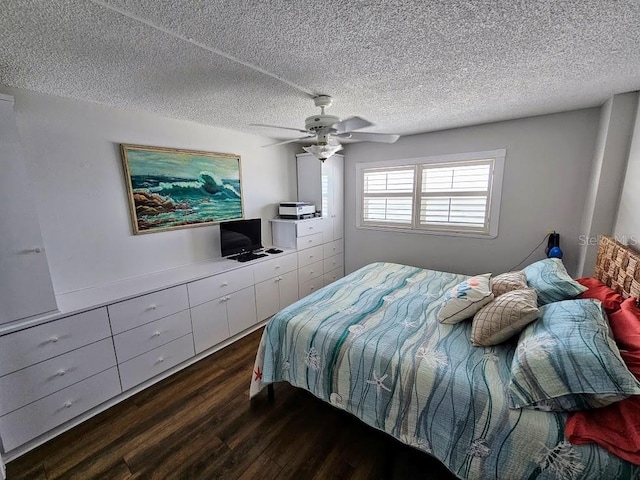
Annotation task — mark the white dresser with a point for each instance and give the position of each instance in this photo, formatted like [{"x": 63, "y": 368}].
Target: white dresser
[
  {"x": 109, "y": 343},
  {"x": 54, "y": 372},
  {"x": 320, "y": 262}
]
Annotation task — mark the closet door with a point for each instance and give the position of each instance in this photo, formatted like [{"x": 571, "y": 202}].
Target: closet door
[
  {"x": 335, "y": 175},
  {"x": 27, "y": 289}
]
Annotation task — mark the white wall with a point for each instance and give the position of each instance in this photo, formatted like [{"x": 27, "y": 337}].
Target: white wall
[
  {"x": 547, "y": 170},
  {"x": 627, "y": 226},
  {"x": 71, "y": 150},
  {"x": 617, "y": 119}
]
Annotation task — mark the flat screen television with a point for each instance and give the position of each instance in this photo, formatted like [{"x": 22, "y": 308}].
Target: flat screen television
[{"x": 240, "y": 236}]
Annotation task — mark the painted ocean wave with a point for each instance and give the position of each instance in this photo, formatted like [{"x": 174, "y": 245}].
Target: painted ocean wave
[
  {"x": 184, "y": 188},
  {"x": 172, "y": 201}
]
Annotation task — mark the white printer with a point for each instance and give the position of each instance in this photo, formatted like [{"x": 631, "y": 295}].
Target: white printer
[{"x": 297, "y": 210}]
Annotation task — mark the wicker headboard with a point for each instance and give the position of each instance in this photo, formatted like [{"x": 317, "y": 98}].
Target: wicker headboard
[{"x": 618, "y": 266}]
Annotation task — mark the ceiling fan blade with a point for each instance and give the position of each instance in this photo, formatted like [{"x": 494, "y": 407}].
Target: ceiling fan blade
[
  {"x": 288, "y": 141},
  {"x": 276, "y": 126},
  {"x": 370, "y": 137},
  {"x": 351, "y": 123}
]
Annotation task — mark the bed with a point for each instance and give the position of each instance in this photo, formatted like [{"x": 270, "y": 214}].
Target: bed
[{"x": 370, "y": 344}]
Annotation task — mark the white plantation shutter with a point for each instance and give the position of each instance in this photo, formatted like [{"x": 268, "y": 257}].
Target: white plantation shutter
[
  {"x": 388, "y": 196},
  {"x": 456, "y": 195}
]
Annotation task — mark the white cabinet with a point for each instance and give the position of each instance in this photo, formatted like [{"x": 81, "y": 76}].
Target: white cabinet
[
  {"x": 24, "y": 272},
  {"x": 147, "y": 308},
  {"x": 57, "y": 371},
  {"x": 276, "y": 293},
  {"x": 320, "y": 262},
  {"x": 277, "y": 282},
  {"x": 322, "y": 183},
  {"x": 146, "y": 337},
  {"x": 36, "y": 418},
  {"x": 143, "y": 367},
  {"x": 216, "y": 320},
  {"x": 32, "y": 345},
  {"x": 48, "y": 374}
]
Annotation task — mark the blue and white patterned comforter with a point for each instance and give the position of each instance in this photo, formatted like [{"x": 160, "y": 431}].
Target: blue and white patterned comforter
[{"x": 370, "y": 344}]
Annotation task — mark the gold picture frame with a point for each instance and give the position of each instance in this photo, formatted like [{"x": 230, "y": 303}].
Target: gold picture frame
[{"x": 171, "y": 188}]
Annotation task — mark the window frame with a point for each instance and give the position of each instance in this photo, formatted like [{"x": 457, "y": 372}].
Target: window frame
[{"x": 493, "y": 201}]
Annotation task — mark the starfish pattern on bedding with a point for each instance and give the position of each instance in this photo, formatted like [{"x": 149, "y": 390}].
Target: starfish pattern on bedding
[
  {"x": 258, "y": 374},
  {"x": 408, "y": 324},
  {"x": 379, "y": 382}
]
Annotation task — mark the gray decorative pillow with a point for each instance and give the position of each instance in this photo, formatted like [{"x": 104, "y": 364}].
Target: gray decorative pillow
[
  {"x": 506, "y": 282},
  {"x": 504, "y": 317}
]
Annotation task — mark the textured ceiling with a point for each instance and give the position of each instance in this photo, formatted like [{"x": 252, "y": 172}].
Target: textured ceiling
[{"x": 407, "y": 66}]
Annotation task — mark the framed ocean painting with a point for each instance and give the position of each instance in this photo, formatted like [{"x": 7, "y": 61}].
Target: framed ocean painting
[{"x": 171, "y": 188}]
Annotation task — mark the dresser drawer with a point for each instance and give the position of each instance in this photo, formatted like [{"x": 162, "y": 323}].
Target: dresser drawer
[
  {"x": 309, "y": 241},
  {"x": 274, "y": 267},
  {"x": 218, "y": 285},
  {"x": 305, "y": 288},
  {"x": 310, "y": 272},
  {"x": 150, "y": 364},
  {"x": 333, "y": 248},
  {"x": 25, "y": 424},
  {"x": 32, "y": 345},
  {"x": 37, "y": 381},
  {"x": 151, "y": 335},
  {"x": 333, "y": 275},
  {"x": 147, "y": 308},
  {"x": 310, "y": 255},
  {"x": 333, "y": 262},
  {"x": 309, "y": 227}
]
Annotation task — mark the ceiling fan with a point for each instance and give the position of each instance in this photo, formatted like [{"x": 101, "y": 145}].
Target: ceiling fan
[{"x": 329, "y": 129}]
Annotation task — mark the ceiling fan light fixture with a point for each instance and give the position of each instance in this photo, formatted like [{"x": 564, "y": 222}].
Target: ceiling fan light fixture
[{"x": 322, "y": 151}]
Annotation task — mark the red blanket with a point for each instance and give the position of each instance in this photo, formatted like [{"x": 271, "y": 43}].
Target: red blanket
[{"x": 616, "y": 427}]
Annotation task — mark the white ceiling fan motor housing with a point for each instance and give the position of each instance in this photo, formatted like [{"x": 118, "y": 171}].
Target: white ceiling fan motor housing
[{"x": 319, "y": 122}]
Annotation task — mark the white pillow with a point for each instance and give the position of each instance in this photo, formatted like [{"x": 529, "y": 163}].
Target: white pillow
[{"x": 465, "y": 299}]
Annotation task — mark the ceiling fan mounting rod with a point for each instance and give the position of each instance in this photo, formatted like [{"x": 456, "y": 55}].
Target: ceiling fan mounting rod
[{"x": 322, "y": 101}]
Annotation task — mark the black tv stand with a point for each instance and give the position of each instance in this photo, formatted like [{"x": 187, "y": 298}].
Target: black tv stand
[{"x": 247, "y": 256}]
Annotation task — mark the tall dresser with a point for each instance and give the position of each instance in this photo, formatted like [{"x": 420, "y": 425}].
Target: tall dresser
[{"x": 319, "y": 241}]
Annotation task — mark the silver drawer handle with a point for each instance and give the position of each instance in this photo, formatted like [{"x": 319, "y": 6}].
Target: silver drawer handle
[
  {"x": 310, "y": 241},
  {"x": 156, "y": 333},
  {"x": 68, "y": 404},
  {"x": 312, "y": 288},
  {"x": 153, "y": 306},
  {"x": 310, "y": 256},
  {"x": 310, "y": 228},
  {"x": 61, "y": 372},
  {"x": 277, "y": 267},
  {"x": 278, "y": 279},
  {"x": 311, "y": 272},
  {"x": 160, "y": 359},
  {"x": 54, "y": 339},
  {"x": 225, "y": 284}
]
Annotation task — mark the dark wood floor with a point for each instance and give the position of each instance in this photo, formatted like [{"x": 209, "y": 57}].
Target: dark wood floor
[{"x": 200, "y": 424}]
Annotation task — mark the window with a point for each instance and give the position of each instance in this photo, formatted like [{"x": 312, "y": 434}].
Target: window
[{"x": 453, "y": 194}]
